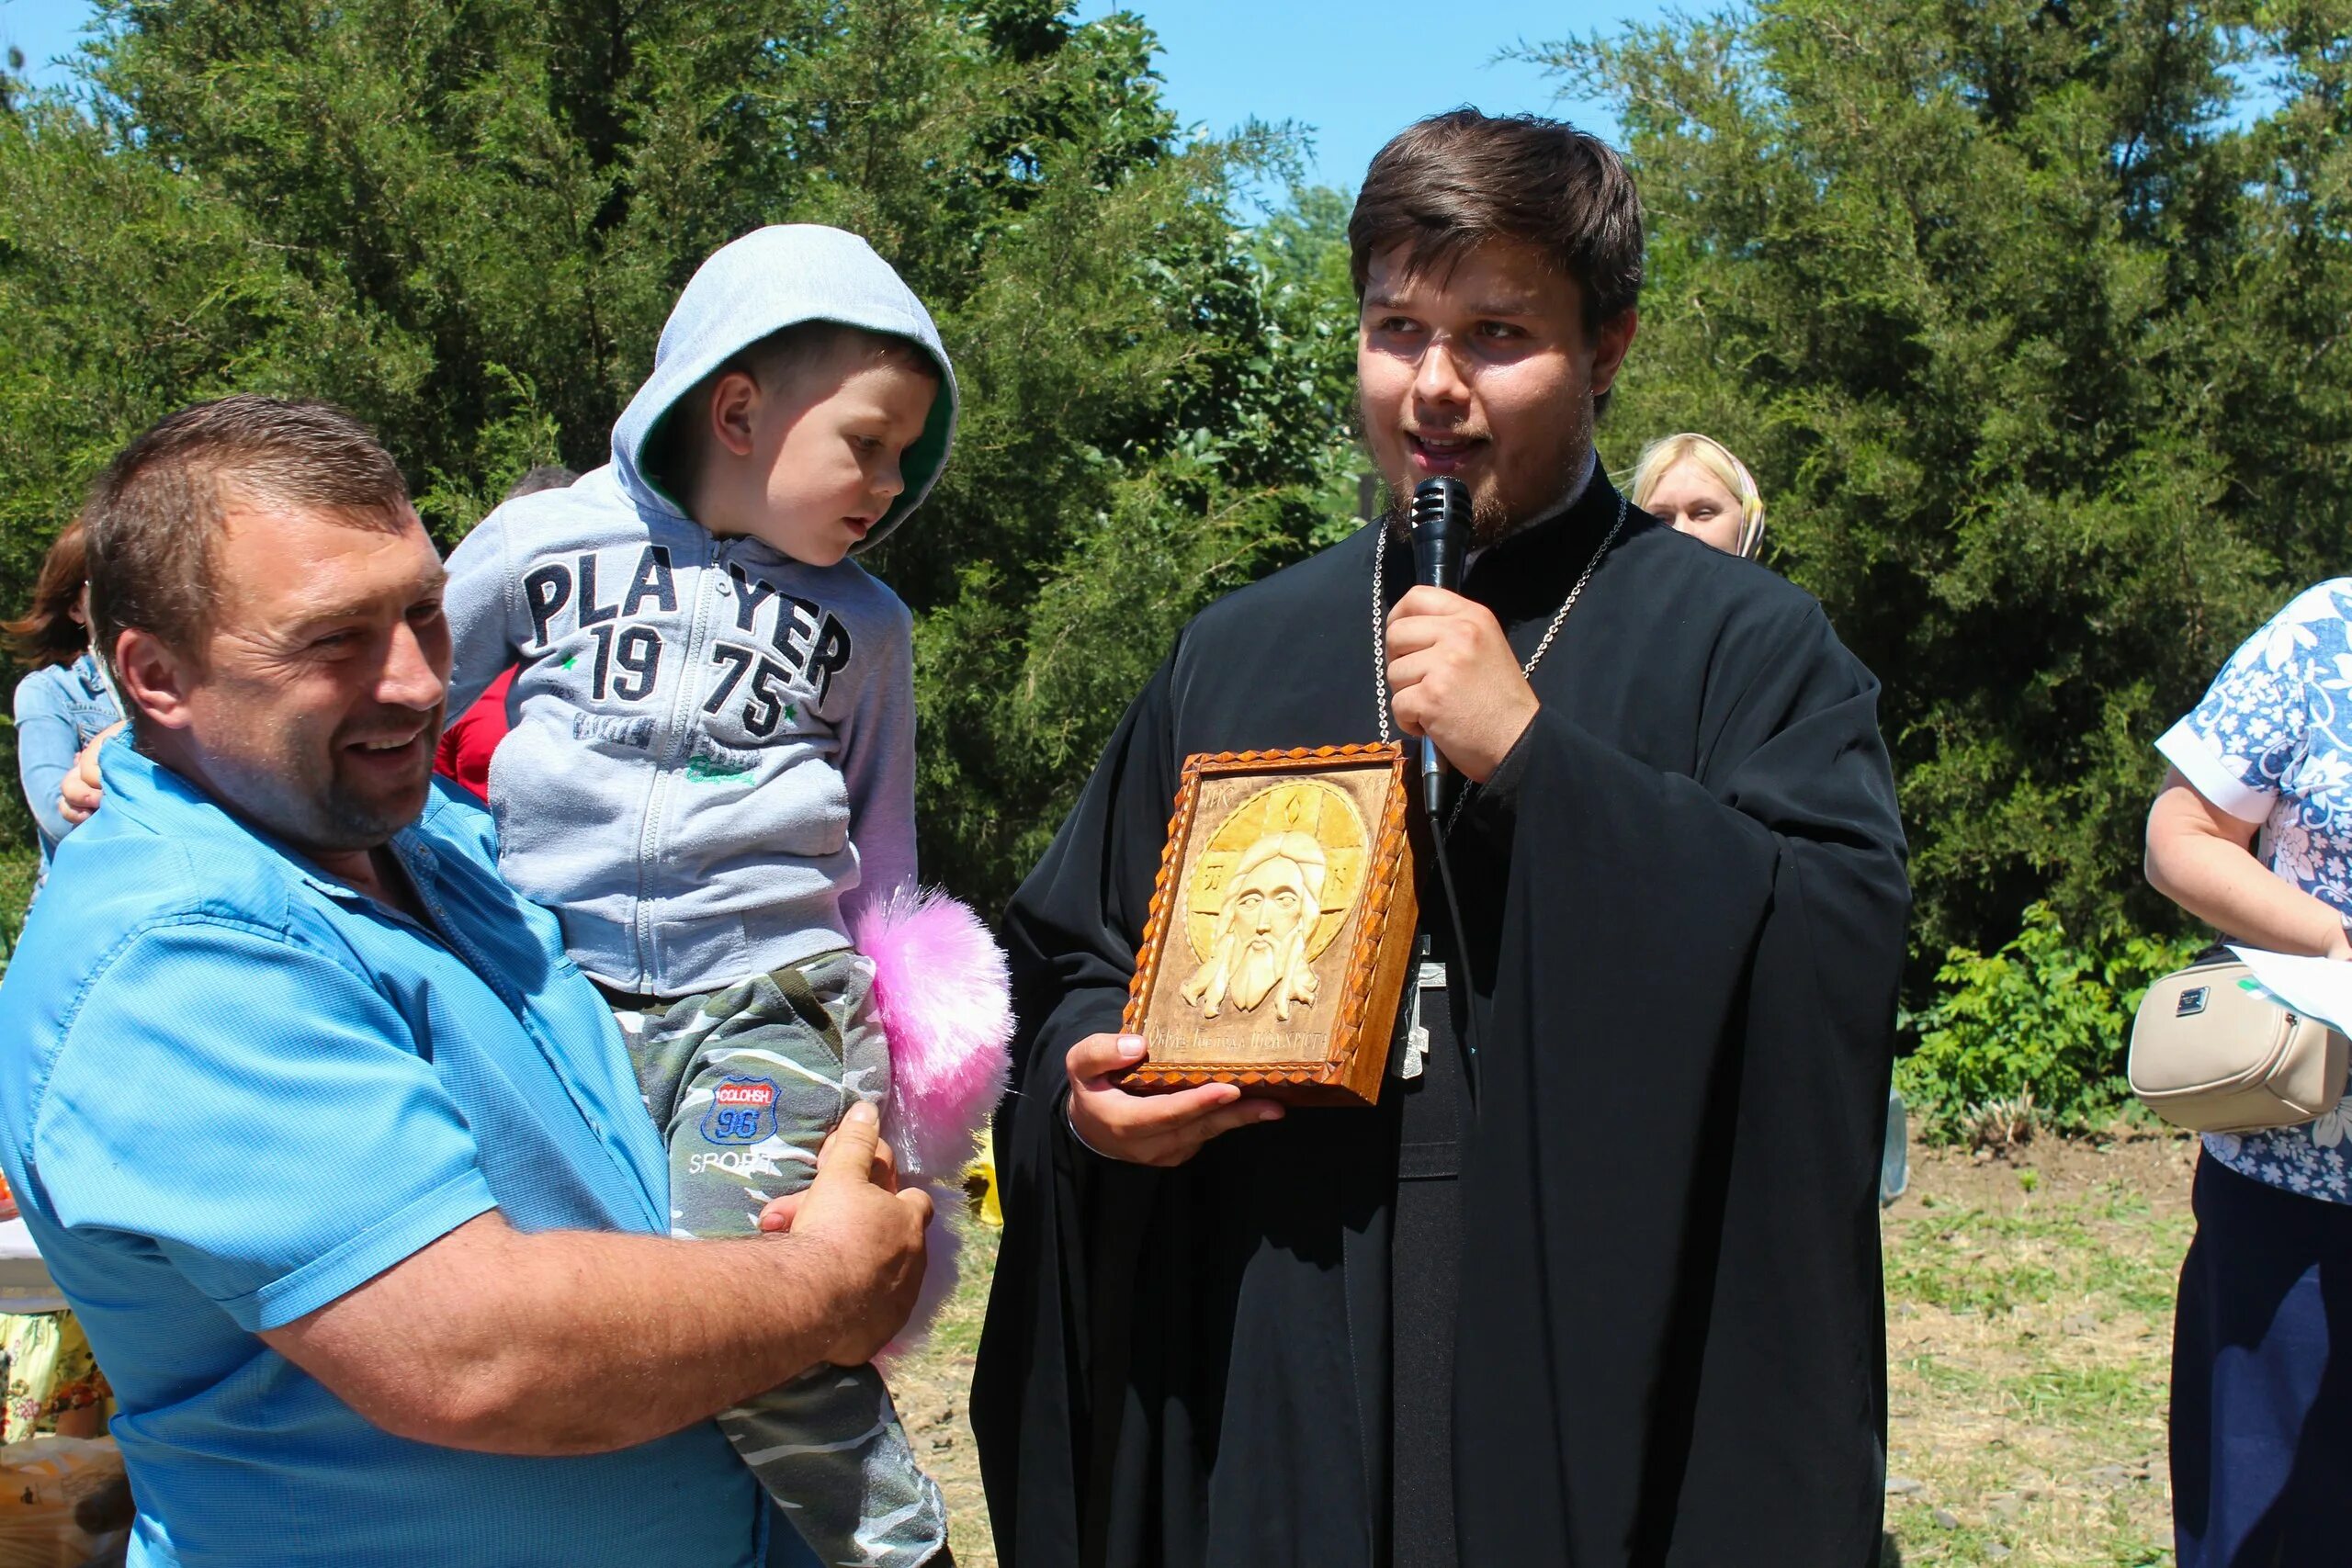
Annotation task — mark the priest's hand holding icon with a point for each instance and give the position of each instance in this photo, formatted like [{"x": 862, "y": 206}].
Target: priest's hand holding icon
[
  {"x": 1148, "y": 1129},
  {"x": 1456, "y": 680}
]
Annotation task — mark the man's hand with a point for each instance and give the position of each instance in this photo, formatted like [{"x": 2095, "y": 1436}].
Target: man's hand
[
  {"x": 1455, "y": 680},
  {"x": 779, "y": 1212},
  {"x": 1148, "y": 1129},
  {"x": 865, "y": 1234},
  {"x": 78, "y": 797}
]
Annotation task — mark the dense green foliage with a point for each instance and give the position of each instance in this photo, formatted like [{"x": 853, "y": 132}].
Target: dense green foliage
[
  {"x": 2030, "y": 322},
  {"x": 2042, "y": 1022},
  {"x": 466, "y": 220}
]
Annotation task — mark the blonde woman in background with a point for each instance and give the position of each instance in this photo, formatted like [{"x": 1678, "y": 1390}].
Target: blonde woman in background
[{"x": 1693, "y": 482}]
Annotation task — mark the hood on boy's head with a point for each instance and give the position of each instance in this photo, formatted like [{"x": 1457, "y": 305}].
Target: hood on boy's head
[{"x": 770, "y": 279}]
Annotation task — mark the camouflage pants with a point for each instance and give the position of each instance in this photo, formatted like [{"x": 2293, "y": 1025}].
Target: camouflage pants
[{"x": 744, "y": 1083}]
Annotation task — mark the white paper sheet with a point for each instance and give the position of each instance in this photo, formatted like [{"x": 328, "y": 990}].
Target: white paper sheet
[{"x": 2316, "y": 988}]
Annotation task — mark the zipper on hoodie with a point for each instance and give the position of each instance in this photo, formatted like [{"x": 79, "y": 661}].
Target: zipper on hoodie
[{"x": 678, "y": 728}]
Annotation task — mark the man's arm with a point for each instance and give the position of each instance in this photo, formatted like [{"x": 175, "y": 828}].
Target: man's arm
[
  {"x": 400, "y": 1289},
  {"x": 570, "y": 1342}
]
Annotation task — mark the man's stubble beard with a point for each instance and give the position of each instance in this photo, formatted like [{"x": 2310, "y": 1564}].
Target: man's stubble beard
[
  {"x": 1493, "y": 520},
  {"x": 283, "y": 791},
  {"x": 364, "y": 824}
]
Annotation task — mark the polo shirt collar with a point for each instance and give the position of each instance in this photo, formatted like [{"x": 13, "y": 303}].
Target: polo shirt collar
[{"x": 139, "y": 787}]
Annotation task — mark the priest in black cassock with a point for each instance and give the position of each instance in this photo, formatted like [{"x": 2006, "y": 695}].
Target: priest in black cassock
[{"x": 1598, "y": 1284}]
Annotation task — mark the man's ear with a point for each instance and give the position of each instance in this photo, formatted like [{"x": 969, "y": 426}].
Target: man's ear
[
  {"x": 155, "y": 679},
  {"x": 734, "y": 409},
  {"x": 1610, "y": 343}
]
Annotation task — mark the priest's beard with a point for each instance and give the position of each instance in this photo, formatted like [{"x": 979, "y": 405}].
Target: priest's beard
[{"x": 1495, "y": 517}]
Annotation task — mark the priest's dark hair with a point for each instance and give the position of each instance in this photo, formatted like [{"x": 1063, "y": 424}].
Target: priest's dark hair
[{"x": 1445, "y": 185}]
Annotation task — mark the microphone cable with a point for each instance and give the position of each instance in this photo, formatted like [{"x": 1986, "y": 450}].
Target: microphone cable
[
  {"x": 1440, "y": 518},
  {"x": 1469, "y": 1035}
]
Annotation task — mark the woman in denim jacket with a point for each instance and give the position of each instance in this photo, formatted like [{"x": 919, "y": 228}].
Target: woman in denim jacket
[{"x": 65, "y": 702}]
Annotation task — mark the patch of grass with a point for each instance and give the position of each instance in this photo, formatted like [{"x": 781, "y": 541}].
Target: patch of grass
[
  {"x": 1925, "y": 1538},
  {"x": 1961, "y": 1269},
  {"x": 2108, "y": 1244},
  {"x": 2115, "y": 1201},
  {"x": 2141, "y": 1281},
  {"x": 931, "y": 1388},
  {"x": 2027, "y": 1336},
  {"x": 2092, "y": 1397},
  {"x": 1948, "y": 1380},
  {"x": 956, "y": 1333}
]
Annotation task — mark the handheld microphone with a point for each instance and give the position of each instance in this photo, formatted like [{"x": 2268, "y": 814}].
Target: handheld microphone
[{"x": 1440, "y": 524}]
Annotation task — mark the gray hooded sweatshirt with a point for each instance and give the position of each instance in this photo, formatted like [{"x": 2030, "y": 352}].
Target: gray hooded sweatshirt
[{"x": 713, "y": 748}]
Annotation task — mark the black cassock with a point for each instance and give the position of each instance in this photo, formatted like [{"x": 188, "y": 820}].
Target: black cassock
[{"x": 1656, "y": 1277}]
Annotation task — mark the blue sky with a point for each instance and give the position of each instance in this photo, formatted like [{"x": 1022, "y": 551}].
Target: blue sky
[
  {"x": 1357, "y": 71},
  {"x": 41, "y": 28},
  {"x": 1354, "y": 71}
]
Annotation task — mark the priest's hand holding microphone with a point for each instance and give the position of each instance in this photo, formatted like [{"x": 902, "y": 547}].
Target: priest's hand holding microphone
[
  {"x": 1456, "y": 686},
  {"x": 1452, "y": 678}
]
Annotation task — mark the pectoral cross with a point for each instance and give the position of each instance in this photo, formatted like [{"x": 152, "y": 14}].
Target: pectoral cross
[{"x": 1429, "y": 978}]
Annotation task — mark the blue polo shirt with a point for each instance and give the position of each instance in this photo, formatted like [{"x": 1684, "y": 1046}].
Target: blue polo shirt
[{"x": 234, "y": 1090}]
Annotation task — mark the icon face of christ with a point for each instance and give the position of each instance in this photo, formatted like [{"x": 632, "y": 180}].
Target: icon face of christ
[{"x": 1262, "y": 926}]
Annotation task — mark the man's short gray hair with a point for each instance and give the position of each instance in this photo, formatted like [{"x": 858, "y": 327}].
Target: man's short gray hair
[{"x": 153, "y": 518}]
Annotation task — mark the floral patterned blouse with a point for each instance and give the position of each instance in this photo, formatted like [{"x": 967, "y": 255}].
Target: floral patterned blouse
[{"x": 2272, "y": 742}]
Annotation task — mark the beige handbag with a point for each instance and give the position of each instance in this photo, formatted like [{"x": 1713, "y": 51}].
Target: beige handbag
[{"x": 2214, "y": 1052}]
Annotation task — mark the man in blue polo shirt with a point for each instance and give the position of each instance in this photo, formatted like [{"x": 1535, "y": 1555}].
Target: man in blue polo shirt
[{"x": 332, "y": 1147}]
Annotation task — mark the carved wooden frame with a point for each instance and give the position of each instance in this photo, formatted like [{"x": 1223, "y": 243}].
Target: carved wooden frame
[{"x": 1351, "y": 1073}]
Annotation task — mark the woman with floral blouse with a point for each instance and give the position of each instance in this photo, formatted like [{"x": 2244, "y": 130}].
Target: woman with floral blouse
[{"x": 2252, "y": 833}]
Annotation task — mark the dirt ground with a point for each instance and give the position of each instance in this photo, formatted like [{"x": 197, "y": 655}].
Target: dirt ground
[{"x": 2028, "y": 1321}]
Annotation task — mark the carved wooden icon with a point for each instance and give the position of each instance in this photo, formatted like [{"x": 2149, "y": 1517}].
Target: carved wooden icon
[{"x": 1281, "y": 925}]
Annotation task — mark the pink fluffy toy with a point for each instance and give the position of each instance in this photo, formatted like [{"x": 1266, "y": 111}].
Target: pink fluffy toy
[{"x": 944, "y": 1000}]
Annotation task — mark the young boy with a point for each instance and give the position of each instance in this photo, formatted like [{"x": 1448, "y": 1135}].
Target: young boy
[{"x": 712, "y": 766}]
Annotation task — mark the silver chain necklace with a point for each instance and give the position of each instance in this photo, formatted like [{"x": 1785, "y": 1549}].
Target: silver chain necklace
[{"x": 1379, "y": 628}]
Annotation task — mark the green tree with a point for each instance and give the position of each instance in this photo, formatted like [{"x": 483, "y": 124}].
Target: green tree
[
  {"x": 2032, "y": 327},
  {"x": 466, "y": 220}
]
